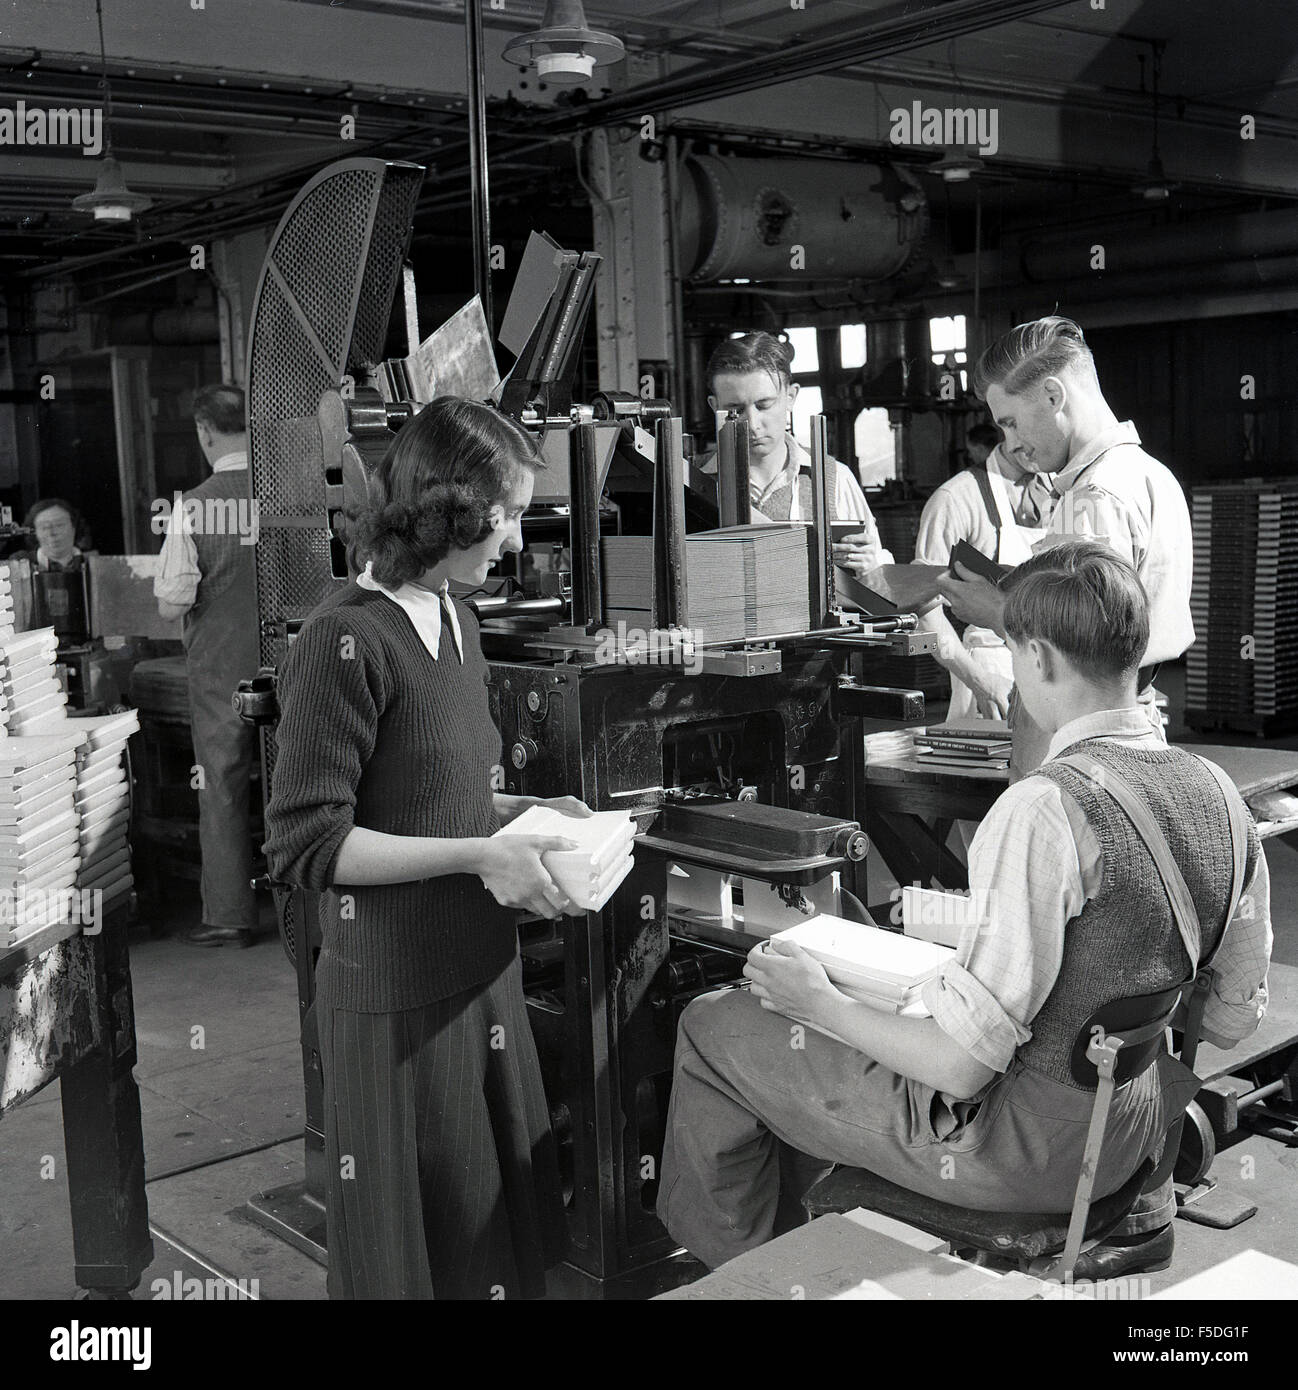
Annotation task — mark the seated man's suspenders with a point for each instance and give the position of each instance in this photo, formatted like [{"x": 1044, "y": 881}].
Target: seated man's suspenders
[{"x": 1178, "y": 894}]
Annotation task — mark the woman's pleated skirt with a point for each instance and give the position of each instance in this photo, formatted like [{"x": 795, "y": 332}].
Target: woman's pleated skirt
[{"x": 443, "y": 1181}]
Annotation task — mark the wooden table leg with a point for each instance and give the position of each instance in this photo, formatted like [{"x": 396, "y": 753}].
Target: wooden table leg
[{"x": 103, "y": 1135}]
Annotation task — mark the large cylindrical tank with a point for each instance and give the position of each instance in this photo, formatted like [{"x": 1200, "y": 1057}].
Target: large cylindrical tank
[{"x": 796, "y": 219}]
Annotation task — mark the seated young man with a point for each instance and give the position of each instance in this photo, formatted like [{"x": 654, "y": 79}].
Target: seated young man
[{"x": 976, "y": 1105}]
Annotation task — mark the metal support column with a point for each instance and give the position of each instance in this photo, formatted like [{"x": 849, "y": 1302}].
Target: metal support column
[
  {"x": 587, "y": 590},
  {"x": 822, "y": 554},
  {"x": 478, "y": 155},
  {"x": 670, "y": 595},
  {"x": 734, "y": 500}
]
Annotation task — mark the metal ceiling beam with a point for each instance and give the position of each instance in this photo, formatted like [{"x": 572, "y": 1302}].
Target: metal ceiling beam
[{"x": 900, "y": 31}]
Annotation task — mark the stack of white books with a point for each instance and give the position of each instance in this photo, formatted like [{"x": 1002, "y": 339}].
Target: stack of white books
[
  {"x": 742, "y": 581},
  {"x": 103, "y": 801},
  {"x": 880, "y": 968},
  {"x": 7, "y": 620},
  {"x": 39, "y": 831},
  {"x": 33, "y": 696},
  {"x": 591, "y": 873}
]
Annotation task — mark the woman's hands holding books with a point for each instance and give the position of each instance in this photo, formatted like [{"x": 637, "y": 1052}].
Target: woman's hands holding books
[
  {"x": 511, "y": 868},
  {"x": 567, "y": 806},
  {"x": 788, "y": 980},
  {"x": 509, "y": 807}
]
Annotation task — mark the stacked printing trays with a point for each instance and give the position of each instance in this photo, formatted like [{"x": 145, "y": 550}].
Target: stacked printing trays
[
  {"x": 1242, "y": 671},
  {"x": 103, "y": 800}
]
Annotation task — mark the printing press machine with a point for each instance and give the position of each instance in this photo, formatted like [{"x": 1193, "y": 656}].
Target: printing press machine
[{"x": 741, "y": 762}]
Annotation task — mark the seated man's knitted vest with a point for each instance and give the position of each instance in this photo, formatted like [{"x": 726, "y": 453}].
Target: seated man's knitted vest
[{"x": 1125, "y": 941}]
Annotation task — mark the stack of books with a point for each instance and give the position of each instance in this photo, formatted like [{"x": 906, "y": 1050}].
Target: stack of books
[
  {"x": 743, "y": 582},
  {"x": 978, "y": 743},
  {"x": 32, "y": 695},
  {"x": 103, "y": 802},
  {"x": 592, "y": 872},
  {"x": 880, "y": 968},
  {"x": 8, "y": 619},
  {"x": 39, "y": 838}
]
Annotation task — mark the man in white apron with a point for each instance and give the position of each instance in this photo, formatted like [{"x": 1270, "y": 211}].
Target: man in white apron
[
  {"x": 751, "y": 376},
  {"x": 996, "y": 507},
  {"x": 1041, "y": 388}
]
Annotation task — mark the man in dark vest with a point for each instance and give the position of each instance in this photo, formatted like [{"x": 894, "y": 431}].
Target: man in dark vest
[
  {"x": 206, "y": 576},
  {"x": 975, "y": 1104}
]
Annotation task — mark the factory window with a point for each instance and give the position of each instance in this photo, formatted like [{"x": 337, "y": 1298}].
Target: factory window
[
  {"x": 851, "y": 346},
  {"x": 806, "y": 356},
  {"x": 947, "y": 342},
  {"x": 809, "y": 402},
  {"x": 876, "y": 447}
]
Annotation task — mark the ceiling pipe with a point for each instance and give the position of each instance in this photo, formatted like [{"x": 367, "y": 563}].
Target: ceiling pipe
[{"x": 898, "y": 32}]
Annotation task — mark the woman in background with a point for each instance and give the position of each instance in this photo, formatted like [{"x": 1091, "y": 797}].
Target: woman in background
[
  {"x": 59, "y": 536},
  {"x": 442, "y": 1174}
]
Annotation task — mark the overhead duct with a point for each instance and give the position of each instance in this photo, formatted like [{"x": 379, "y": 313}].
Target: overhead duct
[
  {"x": 796, "y": 219},
  {"x": 1217, "y": 239},
  {"x": 170, "y": 327}
]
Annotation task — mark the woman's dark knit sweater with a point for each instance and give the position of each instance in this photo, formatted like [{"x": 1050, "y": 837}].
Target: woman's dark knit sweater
[{"x": 374, "y": 732}]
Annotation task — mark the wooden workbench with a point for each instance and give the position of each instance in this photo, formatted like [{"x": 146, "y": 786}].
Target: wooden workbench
[
  {"x": 910, "y": 804},
  {"x": 66, "y": 1011}
]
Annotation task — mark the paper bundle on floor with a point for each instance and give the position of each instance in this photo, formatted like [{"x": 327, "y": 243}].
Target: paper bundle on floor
[
  {"x": 591, "y": 873},
  {"x": 39, "y": 832},
  {"x": 103, "y": 800},
  {"x": 880, "y": 968}
]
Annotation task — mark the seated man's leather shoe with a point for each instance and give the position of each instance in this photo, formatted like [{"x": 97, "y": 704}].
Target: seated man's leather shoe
[
  {"x": 219, "y": 936},
  {"x": 1137, "y": 1255}
]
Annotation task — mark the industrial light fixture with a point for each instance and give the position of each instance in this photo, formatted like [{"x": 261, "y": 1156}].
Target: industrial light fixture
[
  {"x": 958, "y": 168},
  {"x": 565, "y": 50},
  {"x": 1156, "y": 186},
  {"x": 947, "y": 276},
  {"x": 111, "y": 200}
]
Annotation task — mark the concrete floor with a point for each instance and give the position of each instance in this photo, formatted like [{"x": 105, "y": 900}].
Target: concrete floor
[{"x": 221, "y": 1093}]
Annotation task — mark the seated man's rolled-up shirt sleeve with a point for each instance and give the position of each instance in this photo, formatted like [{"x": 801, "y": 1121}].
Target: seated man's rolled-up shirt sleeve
[
  {"x": 330, "y": 699},
  {"x": 1238, "y": 1000},
  {"x": 177, "y": 579},
  {"x": 1025, "y": 879}
]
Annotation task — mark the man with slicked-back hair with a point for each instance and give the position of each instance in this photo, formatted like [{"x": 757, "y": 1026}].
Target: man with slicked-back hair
[{"x": 1041, "y": 389}]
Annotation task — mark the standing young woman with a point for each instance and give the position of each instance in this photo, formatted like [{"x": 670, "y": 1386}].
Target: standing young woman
[{"x": 442, "y": 1175}]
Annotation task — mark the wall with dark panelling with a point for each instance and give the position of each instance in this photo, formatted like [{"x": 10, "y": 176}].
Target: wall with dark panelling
[{"x": 1182, "y": 384}]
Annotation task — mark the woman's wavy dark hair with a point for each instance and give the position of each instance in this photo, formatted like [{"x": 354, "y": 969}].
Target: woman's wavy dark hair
[{"x": 435, "y": 487}]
